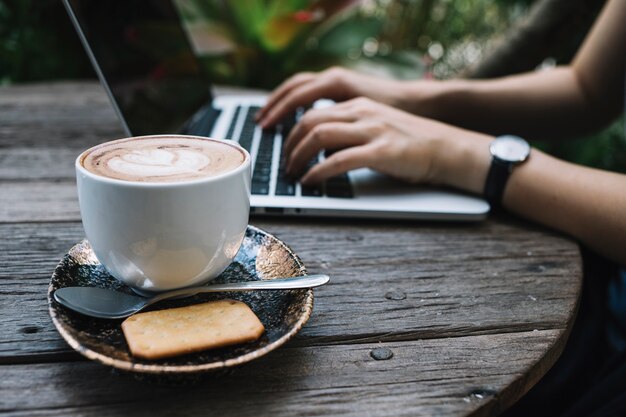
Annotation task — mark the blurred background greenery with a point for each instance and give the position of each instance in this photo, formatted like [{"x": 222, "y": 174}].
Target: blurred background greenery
[{"x": 258, "y": 43}]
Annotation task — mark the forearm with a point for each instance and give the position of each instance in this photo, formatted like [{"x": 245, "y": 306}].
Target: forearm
[
  {"x": 585, "y": 203},
  {"x": 542, "y": 105},
  {"x": 561, "y": 103}
]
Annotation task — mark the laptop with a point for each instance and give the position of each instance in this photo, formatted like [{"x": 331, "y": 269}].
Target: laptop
[{"x": 145, "y": 60}]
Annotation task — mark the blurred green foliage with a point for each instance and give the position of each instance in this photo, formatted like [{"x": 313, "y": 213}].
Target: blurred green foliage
[
  {"x": 258, "y": 43},
  {"x": 605, "y": 149}
]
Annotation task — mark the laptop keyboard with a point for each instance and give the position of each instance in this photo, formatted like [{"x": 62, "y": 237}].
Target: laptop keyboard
[{"x": 263, "y": 156}]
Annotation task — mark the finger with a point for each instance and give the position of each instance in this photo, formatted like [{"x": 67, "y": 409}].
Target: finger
[
  {"x": 283, "y": 89},
  {"x": 334, "y": 135},
  {"x": 340, "y": 162},
  {"x": 346, "y": 111},
  {"x": 314, "y": 118},
  {"x": 299, "y": 96}
]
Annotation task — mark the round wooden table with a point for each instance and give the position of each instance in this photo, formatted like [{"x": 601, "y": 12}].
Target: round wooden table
[{"x": 421, "y": 318}]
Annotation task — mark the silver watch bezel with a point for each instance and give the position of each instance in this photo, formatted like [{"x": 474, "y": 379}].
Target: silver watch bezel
[{"x": 510, "y": 149}]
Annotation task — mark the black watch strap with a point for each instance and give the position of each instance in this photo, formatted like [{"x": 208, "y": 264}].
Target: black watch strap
[{"x": 497, "y": 177}]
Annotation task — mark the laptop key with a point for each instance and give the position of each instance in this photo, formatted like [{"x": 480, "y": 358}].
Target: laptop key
[
  {"x": 311, "y": 191},
  {"x": 260, "y": 188},
  {"x": 284, "y": 184},
  {"x": 339, "y": 187},
  {"x": 287, "y": 124},
  {"x": 262, "y": 178},
  {"x": 263, "y": 170},
  {"x": 285, "y": 188}
]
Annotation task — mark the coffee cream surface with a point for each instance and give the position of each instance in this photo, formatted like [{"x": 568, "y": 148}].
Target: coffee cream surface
[{"x": 163, "y": 159}]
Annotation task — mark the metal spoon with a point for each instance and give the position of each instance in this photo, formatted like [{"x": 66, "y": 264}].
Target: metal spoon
[{"x": 111, "y": 304}]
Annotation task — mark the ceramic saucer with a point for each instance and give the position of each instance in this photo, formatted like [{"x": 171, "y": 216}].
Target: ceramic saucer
[{"x": 262, "y": 256}]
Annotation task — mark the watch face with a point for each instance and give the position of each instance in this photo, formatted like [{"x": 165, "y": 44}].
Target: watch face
[{"x": 510, "y": 148}]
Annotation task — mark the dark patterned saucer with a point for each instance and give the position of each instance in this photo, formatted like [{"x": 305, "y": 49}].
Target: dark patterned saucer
[{"x": 262, "y": 256}]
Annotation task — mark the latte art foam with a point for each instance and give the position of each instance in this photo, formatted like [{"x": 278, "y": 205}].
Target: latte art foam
[{"x": 162, "y": 159}]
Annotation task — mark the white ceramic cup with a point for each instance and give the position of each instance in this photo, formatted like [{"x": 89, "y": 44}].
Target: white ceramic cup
[{"x": 160, "y": 236}]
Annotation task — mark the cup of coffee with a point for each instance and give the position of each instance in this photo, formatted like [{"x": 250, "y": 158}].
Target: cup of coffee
[{"x": 164, "y": 212}]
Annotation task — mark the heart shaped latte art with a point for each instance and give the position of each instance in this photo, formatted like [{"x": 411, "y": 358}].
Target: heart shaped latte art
[{"x": 159, "y": 162}]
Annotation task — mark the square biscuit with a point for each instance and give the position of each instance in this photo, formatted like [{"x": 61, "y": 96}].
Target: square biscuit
[{"x": 177, "y": 331}]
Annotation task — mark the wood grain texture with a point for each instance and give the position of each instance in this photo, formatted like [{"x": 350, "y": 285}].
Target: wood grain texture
[
  {"x": 465, "y": 308},
  {"x": 438, "y": 269},
  {"x": 38, "y": 201},
  {"x": 443, "y": 377},
  {"x": 77, "y": 115},
  {"x": 46, "y": 163}
]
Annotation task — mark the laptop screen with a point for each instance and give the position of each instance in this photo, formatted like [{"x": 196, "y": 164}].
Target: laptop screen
[{"x": 146, "y": 60}]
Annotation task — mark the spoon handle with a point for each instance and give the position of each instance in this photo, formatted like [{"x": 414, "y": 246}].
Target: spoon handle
[{"x": 291, "y": 283}]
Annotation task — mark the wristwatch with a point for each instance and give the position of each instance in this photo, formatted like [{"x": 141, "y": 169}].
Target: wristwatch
[{"x": 507, "y": 152}]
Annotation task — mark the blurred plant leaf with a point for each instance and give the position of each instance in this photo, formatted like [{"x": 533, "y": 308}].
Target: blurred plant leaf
[
  {"x": 280, "y": 31},
  {"x": 251, "y": 17},
  {"x": 348, "y": 34}
]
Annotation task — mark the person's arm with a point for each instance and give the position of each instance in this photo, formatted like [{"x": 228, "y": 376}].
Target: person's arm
[
  {"x": 553, "y": 104},
  {"x": 586, "y": 203},
  {"x": 563, "y": 102}
]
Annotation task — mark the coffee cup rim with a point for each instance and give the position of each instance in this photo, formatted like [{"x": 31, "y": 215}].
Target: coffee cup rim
[{"x": 235, "y": 171}]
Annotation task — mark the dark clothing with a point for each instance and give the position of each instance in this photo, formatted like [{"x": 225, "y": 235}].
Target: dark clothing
[
  {"x": 617, "y": 311},
  {"x": 589, "y": 379}
]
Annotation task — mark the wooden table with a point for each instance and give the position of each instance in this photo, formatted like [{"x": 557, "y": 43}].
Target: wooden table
[{"x": 474, "y": 314}]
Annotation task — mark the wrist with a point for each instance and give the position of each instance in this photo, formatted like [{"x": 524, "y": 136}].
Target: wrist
[
  {"x": 433, "y": 99},
  {"x": 407, "y": 95},
  {"x": 462, "y": 161}
]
